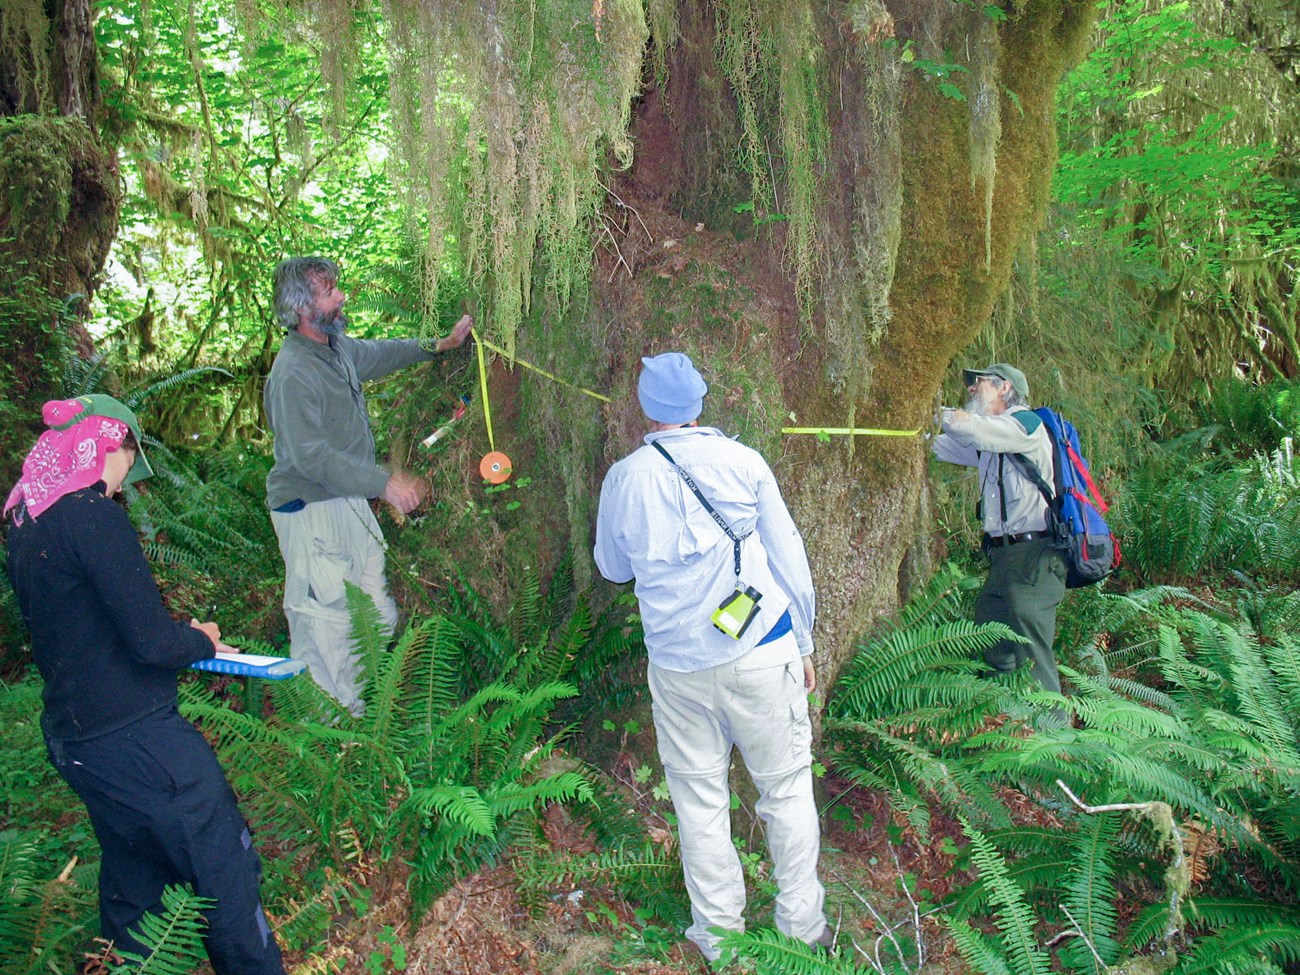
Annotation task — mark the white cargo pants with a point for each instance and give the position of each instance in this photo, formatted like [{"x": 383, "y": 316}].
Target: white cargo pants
[
  {"x": 758, "y": 704},
  {"x": 324, "y": 545}
]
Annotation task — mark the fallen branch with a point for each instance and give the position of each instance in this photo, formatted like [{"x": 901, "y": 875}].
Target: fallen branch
[{"x": 1161, "y": 814}]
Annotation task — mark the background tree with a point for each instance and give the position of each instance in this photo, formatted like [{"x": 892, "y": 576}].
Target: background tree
[{"x": 58, "y": 204}]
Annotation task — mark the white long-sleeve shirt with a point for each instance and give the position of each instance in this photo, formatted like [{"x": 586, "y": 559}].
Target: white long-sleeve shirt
[
  {"x": 980, "y": 442},
  {"x": 651, "y": 527}
]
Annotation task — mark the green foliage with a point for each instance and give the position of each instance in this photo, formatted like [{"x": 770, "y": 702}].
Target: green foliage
[
  {"x": 765, "y": 951},
  {"x": 641, "y": 872},
  {"x": 205, "y": 528},
  {"x": 173, "y": 939},
  {"x": 1186, "y": 716},
  {"x": 1225, "y": 497},
  {"x": 552, "y": 635},
  {"x": 428, "y": 774},
  {"x": 1171, "y": 158},
  {"x": 1091, "y": 896},
  {"x": 41, "y": 916},
  {"x": 908, "y": 698},
  {"x": 1014, "y": 916},
  {"x": 47, "y": 901}
]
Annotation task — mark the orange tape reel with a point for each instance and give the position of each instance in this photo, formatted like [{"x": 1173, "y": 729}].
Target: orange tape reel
[{"x": 495, "y": 467}]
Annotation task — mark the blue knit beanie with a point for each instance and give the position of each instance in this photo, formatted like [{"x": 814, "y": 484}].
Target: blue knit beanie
[{"x": 670, "y": 389}]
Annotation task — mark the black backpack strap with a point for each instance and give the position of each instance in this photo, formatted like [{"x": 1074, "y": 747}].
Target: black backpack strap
[
  {"x": 1031, "y": 471},
  {"x": 735, "y": 541}
]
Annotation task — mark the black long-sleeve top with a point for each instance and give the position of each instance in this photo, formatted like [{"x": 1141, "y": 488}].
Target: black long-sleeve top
[{"x": 103, "y": 641}]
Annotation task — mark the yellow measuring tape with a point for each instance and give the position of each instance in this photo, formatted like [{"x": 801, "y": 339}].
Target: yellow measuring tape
[
  {"x": 537, "y": 369},
  {"x": 852, "y": 431},
  {"x": 495, "y": 467},
  {"x": 482, "y": 386},
  {"x": 481, "y": 343}
]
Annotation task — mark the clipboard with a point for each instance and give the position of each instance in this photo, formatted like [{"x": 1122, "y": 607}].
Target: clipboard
[{"x": 251, "y": 665}]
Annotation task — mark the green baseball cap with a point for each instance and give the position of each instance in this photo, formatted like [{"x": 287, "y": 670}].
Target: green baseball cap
[
  {"x": 100, "y": 404},
  {"x": 1000, "y": 370}
]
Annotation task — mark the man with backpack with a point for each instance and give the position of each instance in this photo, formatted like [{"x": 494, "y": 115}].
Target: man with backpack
[{"x": 1008, "y": 443}]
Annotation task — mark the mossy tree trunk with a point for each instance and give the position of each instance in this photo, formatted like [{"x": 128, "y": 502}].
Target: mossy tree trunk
[
  {"x": 911, "y": 254},
  {"x": 58, "y": 207}
]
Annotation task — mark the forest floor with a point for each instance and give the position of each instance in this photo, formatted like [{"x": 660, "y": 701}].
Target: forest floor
[
  {"x": 485, "y": 925},
  {"x": 885, "y": 885}
]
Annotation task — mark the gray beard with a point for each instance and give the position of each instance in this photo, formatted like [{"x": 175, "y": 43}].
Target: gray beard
[
  {"x": 335, "y": 325},
  {"x": 975, "y": 405}
]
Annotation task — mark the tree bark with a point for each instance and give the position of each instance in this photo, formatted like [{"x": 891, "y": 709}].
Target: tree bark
[
  {"x": 59, "y": 211},
  {"x": 904, "y": 213}
]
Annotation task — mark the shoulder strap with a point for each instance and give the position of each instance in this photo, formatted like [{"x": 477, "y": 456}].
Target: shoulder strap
[
  {"x": 1032, "y": 472},
  {"x": 735, "y": 542}
]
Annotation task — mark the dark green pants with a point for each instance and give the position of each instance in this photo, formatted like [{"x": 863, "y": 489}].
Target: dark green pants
[{"x": 1025, "y": 585}]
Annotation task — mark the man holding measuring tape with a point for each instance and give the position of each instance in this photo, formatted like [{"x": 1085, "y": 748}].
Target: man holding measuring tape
[
  {"x": 727, "y": 605},
  {"x": 325, "y": 469}
]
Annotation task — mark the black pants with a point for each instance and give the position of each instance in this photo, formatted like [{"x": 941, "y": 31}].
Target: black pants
[{"x": 164, "y": 814}]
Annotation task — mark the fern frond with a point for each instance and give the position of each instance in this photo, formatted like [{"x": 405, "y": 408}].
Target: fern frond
[
  {"x": 1239, "y": 946},
  {"x": 462, "y": 805},
  {"x": 1090, "y": 894},
  {"x": 173, "y": 939},
  {"x": 136, "y": 397},
  {"x": 979, "y": 953},
  {"x": 766, "y": 951},
  {"x": 1012, "y": 914},
  {"x": 19, "y": 889},
  {"x": 902, "y": 654}
]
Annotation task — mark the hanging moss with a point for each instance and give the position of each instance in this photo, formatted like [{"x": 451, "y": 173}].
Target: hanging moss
[
  {"x": 855, "y": 296},
  {"x": 24, "y": 43},
  {"x": 504, "y": 114},
  {"x": 665, "y": 32},
  {"x": 769, "y": 52},
  {"x": 985, "y": 117}
]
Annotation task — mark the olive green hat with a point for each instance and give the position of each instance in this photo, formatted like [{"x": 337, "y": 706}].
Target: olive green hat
[{"x": 1000, "y": 370}]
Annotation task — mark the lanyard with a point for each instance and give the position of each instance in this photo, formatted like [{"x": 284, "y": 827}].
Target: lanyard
[{"x": 735, "y": 542}]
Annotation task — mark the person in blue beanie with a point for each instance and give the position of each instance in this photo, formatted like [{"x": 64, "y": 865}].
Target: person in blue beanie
[{"x": 727, "y": 606}]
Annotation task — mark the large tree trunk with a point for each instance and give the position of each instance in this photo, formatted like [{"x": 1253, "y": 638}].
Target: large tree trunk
[
  {"x": 913, "y": 254},
  {"x": 59, "y": 206}
]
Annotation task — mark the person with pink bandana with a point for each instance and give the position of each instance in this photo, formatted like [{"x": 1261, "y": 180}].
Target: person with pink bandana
[{"x": 109, "y": 653}]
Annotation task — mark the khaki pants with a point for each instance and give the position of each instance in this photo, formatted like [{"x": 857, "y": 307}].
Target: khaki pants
[
  {"x": 758, "y": 704},
  {"x": 324, "y": 545}
]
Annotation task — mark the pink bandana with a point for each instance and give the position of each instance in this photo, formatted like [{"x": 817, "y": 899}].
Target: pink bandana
[{"x": 65, "y": 460}]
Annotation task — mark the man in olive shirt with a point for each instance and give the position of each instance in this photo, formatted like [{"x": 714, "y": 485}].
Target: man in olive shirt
[{"x": 325, "y": 468}]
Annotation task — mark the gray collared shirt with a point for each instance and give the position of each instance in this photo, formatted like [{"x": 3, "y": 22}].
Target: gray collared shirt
[
  {"x": 651, "y": 527},
  {"x": 323, "y": 445}
]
